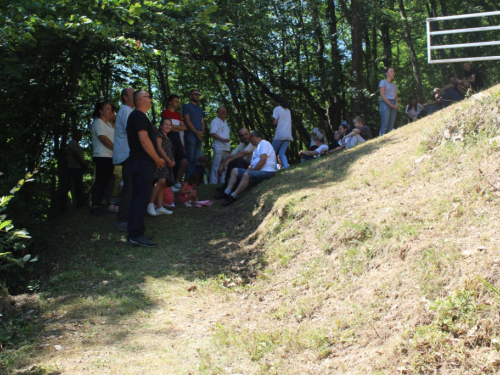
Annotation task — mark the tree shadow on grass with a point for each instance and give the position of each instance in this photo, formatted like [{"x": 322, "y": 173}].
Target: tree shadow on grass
[{"x": 98, "y": 279}]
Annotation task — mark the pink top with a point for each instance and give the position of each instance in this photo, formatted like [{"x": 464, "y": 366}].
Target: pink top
[{"x": 184, "y": 197}]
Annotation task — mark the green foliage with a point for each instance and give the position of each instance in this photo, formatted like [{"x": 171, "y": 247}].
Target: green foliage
[{"x": 13, "y": 252}]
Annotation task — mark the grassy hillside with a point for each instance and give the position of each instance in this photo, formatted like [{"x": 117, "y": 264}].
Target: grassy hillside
[{"x": 381, "y": 259}]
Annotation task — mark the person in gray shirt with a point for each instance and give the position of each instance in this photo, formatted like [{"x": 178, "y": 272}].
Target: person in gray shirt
[{"x": 121, "y": 155}]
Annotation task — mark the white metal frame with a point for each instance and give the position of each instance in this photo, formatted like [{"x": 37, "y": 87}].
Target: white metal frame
[{"x": 430, "y": 33}]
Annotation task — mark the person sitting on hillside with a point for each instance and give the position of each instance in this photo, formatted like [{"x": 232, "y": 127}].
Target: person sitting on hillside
[
  {"x": 414, "y": 109},
  {"x": 240, "y": 157},
  {"x": 320, "y": 130},
  {"x": 339, "y": 143},
  {"x": 449, "y": 94},
  {"x": 320, "y": 148},
  {"x": 348, "y": 120},
  {"x": 360, "y": 134},
  {"x": 262, "y": 167},
  {"x": 472, "y": 77}
]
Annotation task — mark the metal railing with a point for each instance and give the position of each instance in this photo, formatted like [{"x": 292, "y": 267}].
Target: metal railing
[{"x": 430, "y": 33}]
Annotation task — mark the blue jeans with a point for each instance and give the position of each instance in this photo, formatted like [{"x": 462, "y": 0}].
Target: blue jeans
[
  {"x": 280, "y": 147},
  {"x": 193, "y": 151},
  {"x": 255, "y": 176},
  {"x": 387, "y": 117},
  {"x": 432, "y": 108}
]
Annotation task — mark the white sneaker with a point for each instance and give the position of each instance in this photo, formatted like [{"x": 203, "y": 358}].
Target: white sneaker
[
  {"x": 187, "y": 204},
  {"x": 163, "y": 211},
  {"x": 178, "y": 185},
  {"x": 152, "y": 209}
]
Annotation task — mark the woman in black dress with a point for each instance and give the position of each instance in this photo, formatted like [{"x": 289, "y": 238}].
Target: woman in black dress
[{"x": 164, "y": 175}]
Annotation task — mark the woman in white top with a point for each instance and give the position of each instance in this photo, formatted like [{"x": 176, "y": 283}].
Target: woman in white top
[
  {"x": 414, "y": 109},
  {"x": 102, "y": 153},
  {"x": 388, "y": 102},
  {"x": 283, "y": 120}
]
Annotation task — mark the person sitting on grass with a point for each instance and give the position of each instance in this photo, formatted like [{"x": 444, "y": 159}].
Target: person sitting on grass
[
  {"x": 360, "y": 134},
  {"x": 319, "y": 131},
  {"x": 320, "y": 147},
  {"x": 338, "y": 144},
  {"x": 187, "y": 194},
  {"x": 414, "y": 109},
  {"x": 262, "y": 167}
]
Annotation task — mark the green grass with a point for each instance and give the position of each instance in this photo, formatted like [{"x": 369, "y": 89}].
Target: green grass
[{"x": 328, "y": 259}]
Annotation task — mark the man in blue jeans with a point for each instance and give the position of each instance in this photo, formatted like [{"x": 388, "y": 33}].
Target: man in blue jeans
[
  {"x": 262, "y": 167},
  {"x": 194, "y": 118},
  {"x": 143, "y": 159}
]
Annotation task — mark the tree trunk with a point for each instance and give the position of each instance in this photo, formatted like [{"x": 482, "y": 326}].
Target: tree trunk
[
  {"x": 356, "y": 22},
  {"x": 335, "y": 102},
  {"x": 411, "y": 49},
  {"x": 162, "y": 81}
]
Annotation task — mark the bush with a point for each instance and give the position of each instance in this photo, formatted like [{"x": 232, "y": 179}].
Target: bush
[{"x": 15, "y": 261}]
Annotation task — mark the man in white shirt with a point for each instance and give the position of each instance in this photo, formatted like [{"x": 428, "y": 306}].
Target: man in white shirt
[
  {"x": 320, "y": 148},
  {"x": 262, "y": 167},
  {"x": 240, "y": 157},
  {"x": 120, "y": 156},
  {"x": 319, "y": 131},
  {"x": 219, "y": 131}
]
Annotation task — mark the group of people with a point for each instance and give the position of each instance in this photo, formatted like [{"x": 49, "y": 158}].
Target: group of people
[
  {"x": 153, "y": 159},
  {"x": 455, "y": 91}
]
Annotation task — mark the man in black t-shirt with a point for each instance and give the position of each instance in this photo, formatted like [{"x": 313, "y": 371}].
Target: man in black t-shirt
[
  {"x": 143, "y": 159},
  {"x": 472, "y": 76}
]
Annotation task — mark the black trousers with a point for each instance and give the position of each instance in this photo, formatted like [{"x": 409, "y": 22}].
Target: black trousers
[
  {"x": 76, "y": 175},
  {"x": 142, "y": 173},
  {"x": 238, "y": 163},
  {"x": 103, "y": 170},
  {"x": 123, "y": 210}
]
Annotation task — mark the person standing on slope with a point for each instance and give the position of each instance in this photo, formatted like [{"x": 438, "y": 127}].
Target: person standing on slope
[
  {"x": 282, "y": 118},
  {"x": 388, "y": 102}
]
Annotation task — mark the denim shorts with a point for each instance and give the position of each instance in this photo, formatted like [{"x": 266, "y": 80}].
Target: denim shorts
[{"x": 255, "y": 176}]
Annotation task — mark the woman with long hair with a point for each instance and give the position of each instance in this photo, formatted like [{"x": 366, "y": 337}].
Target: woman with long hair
[
  {"x": 282, "y": 118},
  {"x": 102, "y": 153},
  {"x": 414, "y": 109},
  {"x": 388, "y": 102}
]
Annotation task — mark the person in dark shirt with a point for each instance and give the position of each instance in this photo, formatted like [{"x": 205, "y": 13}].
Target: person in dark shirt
[
  {"x": 472, "y": 76},
  {"x": 143, "y": 159},
  {"x": 360, "y": 134}
]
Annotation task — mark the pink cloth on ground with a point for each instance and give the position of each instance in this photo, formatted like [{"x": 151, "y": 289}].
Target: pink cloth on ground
[
  {"x": 203, "y": 203},
  {"x": 183, "y": 197}
]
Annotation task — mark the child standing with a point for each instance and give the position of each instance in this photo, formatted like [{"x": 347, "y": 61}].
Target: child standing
[{"x": 187, "y": 195}]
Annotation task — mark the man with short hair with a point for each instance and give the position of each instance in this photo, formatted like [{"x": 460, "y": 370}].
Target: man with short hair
[
  {"x": 262, "y": 167},
  {"x": 143, "y": 159},
  {"x": 472, "y": 76},
  {"x": 176, "y": 135},
  {"x": 320, "y": 148},
  {"x": 319, "y": 131},
  {"x": 121, "y": 153},
  {"x": 240, "y": 157},
  {"x": 76, "y": 167},
  {"x": 219, "y": 131},
  {"x": 194, "y": 118}
]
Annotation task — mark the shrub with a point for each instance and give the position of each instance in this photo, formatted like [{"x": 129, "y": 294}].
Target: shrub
[{"x": 14, "y": 258}]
